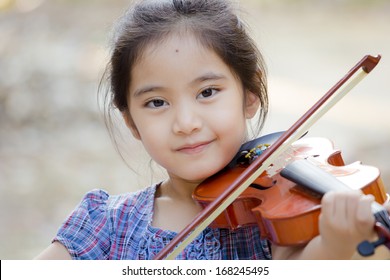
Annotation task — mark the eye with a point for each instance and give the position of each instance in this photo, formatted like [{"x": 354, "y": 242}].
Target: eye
[
  {"x": 208, "y": 92},
  {"x": 155, "y": 103}
]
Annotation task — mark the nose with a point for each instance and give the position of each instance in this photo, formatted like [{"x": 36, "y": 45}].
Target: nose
[{"x": 186, "y": 120}]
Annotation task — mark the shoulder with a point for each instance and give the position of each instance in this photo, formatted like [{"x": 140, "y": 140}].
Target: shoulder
[
  {"x": 100, "y": 219},
  {"x": 141, "y": 201},
  {"x": 98, "y": 202}
]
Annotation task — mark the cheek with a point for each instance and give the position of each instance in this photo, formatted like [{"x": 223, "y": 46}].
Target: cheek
[
  {"x": 230, "y": 127},
  {"x": 153, "y": 137},
  {"x": 150, "y": 135},
  {"x": 230, "y": 119}
]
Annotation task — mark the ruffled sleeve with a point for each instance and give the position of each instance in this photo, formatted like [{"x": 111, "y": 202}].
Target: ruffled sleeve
[{"x": 86, "y": 232}]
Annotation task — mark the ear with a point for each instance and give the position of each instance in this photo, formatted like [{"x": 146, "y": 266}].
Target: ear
[
  {"x": 130, "y": 124},
  {"x": 252, "y": 103}
]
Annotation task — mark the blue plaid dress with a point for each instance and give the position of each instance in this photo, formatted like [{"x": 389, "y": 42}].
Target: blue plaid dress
[{"x": 119, "y": 227}]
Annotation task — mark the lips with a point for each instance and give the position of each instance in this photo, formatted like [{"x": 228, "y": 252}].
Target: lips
[{"x": 194, "y": 148}]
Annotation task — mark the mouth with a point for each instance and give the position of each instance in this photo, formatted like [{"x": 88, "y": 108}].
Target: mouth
[{"x": 195, "y": 148}]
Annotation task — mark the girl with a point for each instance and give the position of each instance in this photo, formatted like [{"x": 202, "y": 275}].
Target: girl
[{"x": 186, "y": 77}]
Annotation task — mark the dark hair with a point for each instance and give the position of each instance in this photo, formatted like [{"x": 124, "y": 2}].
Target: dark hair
[{"x": 214, "y": 23}]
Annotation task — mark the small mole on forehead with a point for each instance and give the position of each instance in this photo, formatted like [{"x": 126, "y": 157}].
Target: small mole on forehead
[{"x": 176, "y": 50}]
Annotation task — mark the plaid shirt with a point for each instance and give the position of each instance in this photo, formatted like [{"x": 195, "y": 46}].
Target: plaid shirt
[{"x": 119, "y": 227}]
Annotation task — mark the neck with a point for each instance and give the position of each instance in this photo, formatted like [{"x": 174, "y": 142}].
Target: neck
[
  {"x": 176, "y": 188},
  {"x": 174, "y": 207}
]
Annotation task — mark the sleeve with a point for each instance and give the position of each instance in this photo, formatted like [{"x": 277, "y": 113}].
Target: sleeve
[{"x": 86, "y": 232}]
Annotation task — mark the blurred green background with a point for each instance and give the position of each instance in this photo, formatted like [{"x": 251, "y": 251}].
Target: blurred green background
[{"x": 54, "y": 146}]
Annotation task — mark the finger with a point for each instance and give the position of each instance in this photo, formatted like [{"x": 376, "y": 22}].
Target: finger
[
  {"x": 340, "y": 209},
  {"x": 364, "y": 217},
  {"x": 352, "y": 204},
  {"x": 345, "y": 208},
  {"x": 327, "y": 206}
]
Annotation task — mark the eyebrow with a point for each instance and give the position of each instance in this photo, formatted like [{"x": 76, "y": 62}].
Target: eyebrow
[
  {"x": 205, "y": 77},
  {"x": 208, "y": 77},
  {"x": 146, "y": 89}
]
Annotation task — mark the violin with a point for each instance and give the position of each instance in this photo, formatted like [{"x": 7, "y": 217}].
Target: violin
[
  {"x": 284, "y": 201},
  {"x": 260, "y": 175}
]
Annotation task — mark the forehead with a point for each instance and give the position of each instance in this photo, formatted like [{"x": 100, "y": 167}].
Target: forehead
[
  {"x": 176, "y": 57},
  {"x": 178, "y": 43}
]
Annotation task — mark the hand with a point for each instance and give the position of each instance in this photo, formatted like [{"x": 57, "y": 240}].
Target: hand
[{"x": 346, "y": 220}]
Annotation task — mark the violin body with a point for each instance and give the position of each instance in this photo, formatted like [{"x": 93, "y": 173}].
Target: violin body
[{"x": 287, "y": 213}]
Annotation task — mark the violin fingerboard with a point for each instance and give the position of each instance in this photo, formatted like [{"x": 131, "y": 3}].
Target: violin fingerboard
[{"x": 308, "y": 175}]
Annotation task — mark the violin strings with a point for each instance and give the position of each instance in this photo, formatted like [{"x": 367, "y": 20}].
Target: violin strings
[{"x": 283, "y": 160}]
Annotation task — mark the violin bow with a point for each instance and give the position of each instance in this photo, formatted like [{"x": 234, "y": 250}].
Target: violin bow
[{"x": 254, "y": 170}]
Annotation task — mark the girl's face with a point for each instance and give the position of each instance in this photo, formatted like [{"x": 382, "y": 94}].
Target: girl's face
[{"x": 187, "y": 108}]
